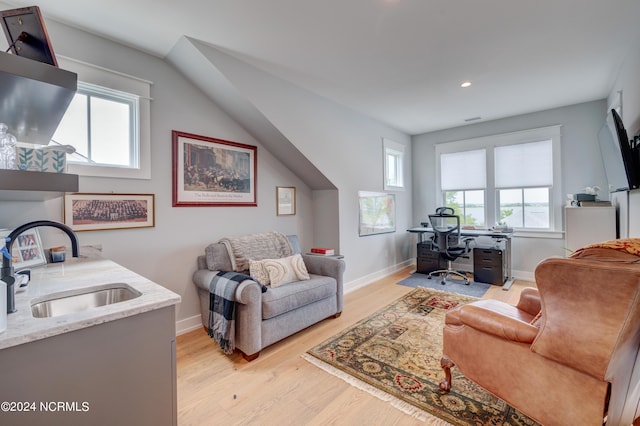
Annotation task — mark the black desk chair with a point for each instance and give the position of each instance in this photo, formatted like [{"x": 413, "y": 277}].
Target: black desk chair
[{"x": 448, "y": 242}]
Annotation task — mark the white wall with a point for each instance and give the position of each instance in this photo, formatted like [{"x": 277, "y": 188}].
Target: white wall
[
  {"x": 166, "y": 254},
  {"x": 344, "y": 145},
  {"x": 581, "y": 166},
  {"x": 628, "y": 82}
]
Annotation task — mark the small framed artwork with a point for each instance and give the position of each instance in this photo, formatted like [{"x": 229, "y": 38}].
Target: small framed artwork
[
  {"x": 377, "y": 213},
  {"x": 213, "y": 172},
  {"x": 96, "y": 212},
  {"x": 285, "y": 200},
  {"x": 26, "y": 250}
]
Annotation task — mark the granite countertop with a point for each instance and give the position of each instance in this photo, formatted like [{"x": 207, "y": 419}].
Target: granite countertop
[{"x": 73, "y": 274}]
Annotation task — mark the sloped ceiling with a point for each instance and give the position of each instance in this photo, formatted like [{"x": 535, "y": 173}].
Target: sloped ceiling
[
  {"x": 400, "y": 62},
  {"x": 211, "y": 69}
]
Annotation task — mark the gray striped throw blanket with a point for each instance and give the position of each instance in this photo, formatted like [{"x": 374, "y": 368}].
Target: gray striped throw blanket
[
  {"x": 222, "y": 308},
  {"x": 267, "y": 245}
]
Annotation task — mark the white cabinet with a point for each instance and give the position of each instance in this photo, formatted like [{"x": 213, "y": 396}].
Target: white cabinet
[{"x": 588, "y": 225}]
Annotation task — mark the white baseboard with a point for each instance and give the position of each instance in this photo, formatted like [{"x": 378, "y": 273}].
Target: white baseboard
[
  {"x": 188, "y": 324},
  {"x": 193, "y": 323},
  {"x": 368, "y": 279},
  {"x": 524, "y": 275}
]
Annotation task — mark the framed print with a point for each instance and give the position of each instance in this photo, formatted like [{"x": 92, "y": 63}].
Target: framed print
[
  {"x": 26, "y": 250},
  {"x": 377, "y": 213},
  {"x": 213, "y": 172},
  {"x": 285, "y": 200},
  {"x": 95, "y": 212}
]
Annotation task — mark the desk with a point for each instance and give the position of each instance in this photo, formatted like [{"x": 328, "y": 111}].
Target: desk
[{"x": 497, "y": 235}]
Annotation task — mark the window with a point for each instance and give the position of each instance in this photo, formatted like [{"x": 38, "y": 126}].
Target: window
[
  {"x": 469, "y": 205},
  {"x": 464, "y": 187},
  {"x": 512, "y": 179},
  {"x": 393, "y": 165},
  {"x": 523, "y": 179},
  {"x": 107, "y": 123},
  {"x": 100, "y": 123}
]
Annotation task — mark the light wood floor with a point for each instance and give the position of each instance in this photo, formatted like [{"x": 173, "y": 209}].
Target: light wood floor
[{"x": 279, "y": 387}]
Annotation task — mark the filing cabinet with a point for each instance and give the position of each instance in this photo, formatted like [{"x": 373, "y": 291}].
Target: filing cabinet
[
  {"x": 428, "y": 260},
  {"x": 489, "y": 265}
]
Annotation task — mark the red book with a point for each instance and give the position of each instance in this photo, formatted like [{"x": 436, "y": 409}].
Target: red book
[{"x": 322, "y": 250}]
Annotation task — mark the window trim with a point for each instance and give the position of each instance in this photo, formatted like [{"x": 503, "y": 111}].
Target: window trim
[
  {"x": 397, "y": 150},
  {"x": 104, "y": 77},
  {"x": 512, "y": 138}
]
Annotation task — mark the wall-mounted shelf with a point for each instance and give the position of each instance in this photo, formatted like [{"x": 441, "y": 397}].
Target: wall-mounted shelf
[
  {"x": 34, "y": 97},
  {"x": 20, "y": 185}
]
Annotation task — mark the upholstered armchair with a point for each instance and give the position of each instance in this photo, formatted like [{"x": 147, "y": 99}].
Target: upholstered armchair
[
  {"x": 566, "y": 353},
  {"x": 266, "y": 317}
]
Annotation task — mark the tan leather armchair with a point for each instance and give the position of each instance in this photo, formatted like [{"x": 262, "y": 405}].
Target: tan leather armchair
[{"x": 566, "y": 353}]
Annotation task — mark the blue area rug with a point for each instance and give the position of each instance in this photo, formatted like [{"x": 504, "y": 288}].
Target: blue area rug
[{"x": 452, "y": 286}]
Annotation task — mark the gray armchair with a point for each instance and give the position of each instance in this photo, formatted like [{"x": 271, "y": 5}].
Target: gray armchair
[{"x": 265, "y": 318}]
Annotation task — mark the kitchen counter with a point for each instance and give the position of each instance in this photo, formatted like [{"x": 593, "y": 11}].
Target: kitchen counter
[{"x": 79, "y": 273}]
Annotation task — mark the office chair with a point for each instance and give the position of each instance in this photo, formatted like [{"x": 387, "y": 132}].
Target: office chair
[{"x": 448, "y": 242}]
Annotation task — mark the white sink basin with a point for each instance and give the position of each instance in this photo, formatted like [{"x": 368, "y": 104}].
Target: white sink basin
[{"x": 63, "y": 303}]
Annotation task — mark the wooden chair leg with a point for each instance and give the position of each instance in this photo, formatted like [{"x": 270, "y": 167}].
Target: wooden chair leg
[
  {"x": 447, "y": 365},
  {"x": 250, "y": 358},
  {"x": 337, "y": 315}
]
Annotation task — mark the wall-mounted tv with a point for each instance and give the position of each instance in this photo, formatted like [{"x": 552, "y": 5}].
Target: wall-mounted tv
[{"x": 619, "y": 154}]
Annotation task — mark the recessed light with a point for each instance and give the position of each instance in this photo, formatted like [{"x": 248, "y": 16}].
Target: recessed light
[{"x": 466, "y": 84}]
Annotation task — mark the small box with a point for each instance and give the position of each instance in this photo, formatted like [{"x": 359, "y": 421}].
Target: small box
[
  {"x": 584, "y": 197},
  {"x": 57, "y": 254},
  {"x": 41, "y": 160}
]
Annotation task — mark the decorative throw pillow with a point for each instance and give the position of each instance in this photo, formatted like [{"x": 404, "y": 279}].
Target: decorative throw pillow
[
  {"x": 258, "y": 272},
  {"x": 285, "y": 270}
]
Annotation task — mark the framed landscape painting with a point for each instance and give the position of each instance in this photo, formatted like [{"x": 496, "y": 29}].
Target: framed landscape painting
[
  {"x": 377, "y": 213},
  {"x": 213, "y": 172}
]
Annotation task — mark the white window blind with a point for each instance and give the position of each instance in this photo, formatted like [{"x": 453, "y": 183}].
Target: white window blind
[
  {"x": 463, "y": 170},
  {"x": 524, "y": 165}
]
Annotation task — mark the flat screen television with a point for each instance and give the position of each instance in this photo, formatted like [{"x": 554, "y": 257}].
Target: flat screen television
[{"x": 620, "y": 156}]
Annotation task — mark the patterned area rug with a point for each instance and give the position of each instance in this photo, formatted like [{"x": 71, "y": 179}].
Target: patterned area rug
[
  {"x": 417, "y": 279},
  {"x": 395, "y": 355}
]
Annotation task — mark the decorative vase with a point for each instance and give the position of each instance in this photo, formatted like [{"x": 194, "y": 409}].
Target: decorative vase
[{"x": 7, "y": 148}]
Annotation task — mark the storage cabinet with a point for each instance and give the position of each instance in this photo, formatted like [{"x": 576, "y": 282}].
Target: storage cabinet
[
  {"x": 588, "y": 225},
  {"x": 489, "y": 265},
  {"x": 428, "y": 260},
  {"x": 119, "y": 372}
]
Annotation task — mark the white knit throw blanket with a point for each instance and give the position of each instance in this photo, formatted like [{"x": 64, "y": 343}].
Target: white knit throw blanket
[{"x": 267, "y": 245}]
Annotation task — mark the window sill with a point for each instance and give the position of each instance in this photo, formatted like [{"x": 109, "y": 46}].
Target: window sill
[
  {"x": 539, "y": 234},
  {"x": 107, "y": 171}
]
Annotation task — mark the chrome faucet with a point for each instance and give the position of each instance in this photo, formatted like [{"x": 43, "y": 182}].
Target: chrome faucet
[{"x": 7, "y": 274}]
